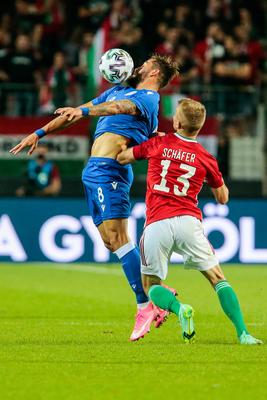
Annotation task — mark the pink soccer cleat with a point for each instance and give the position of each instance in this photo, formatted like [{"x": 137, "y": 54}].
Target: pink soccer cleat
[
  {"x": 143, "y": 321},
  {"x": 163, "y": 314}
]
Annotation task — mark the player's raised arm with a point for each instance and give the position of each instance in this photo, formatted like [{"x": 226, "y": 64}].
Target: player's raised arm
[
  {"x": 221, "y": 194},
  {"x": 56, "y": 124},
  {"x": 102, "y": 109},
  {"x": 142, "y": 151}
]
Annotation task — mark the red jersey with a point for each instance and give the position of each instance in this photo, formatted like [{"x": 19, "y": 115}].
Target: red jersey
[{"x": 177, "y": 168}]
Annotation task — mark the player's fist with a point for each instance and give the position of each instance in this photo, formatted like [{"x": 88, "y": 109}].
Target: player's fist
[
  {"x": 30, "y": 141},
  {"x": 69, "y": 112}
]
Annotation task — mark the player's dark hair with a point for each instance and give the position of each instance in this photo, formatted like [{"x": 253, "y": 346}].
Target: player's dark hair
[{"x": 168, "y": 68}]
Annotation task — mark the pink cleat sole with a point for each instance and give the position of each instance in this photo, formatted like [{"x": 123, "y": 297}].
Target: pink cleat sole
[{"x": 161, "y": 318}]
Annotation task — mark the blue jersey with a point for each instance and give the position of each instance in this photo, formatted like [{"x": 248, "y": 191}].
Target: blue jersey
[
  {"x": 107, "y": 183},
  {"x": 138, "y": 128}
]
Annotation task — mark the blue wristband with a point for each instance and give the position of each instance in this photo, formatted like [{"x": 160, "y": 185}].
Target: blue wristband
[
  {"x": 40, "y": 132},
  {"x": 85, "y": 111}
]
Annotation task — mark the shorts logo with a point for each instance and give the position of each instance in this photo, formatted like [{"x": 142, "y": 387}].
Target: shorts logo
[
  {"x": 114, "y": 185},
  {"x": 103, "y": 207}
]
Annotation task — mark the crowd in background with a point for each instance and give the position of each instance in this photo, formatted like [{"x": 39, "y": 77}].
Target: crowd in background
[{"x": 44, "y": 46}]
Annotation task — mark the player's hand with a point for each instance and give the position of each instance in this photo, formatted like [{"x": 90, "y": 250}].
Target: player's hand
[
  {"x": 63, "y": 110},
  {"x": 69, "y": 112},
  {"x": 30, "y": 141},
  {"x": 160, "y": 133},
  {"x": 126, "y": 156}
]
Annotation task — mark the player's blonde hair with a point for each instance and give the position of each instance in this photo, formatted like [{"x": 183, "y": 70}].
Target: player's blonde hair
[{"x": 191, "y": 115}]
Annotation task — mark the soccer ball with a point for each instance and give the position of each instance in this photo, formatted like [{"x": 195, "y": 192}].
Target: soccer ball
[{"x": 116, "y": 65}]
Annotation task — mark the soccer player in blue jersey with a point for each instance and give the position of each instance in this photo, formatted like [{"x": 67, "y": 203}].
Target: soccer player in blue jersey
[{"x": 129, "y": 116}]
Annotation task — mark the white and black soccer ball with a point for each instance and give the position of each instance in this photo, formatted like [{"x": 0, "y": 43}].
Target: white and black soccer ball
[{"x": 116, "y": 65}]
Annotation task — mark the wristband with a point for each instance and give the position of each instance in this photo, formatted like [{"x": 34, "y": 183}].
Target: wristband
[
  {"x": 85, "y": 111},
  {"x": 40, "y": 133}
]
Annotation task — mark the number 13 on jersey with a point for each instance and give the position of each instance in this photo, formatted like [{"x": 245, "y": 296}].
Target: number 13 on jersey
[{"x": 183, "y": 179}]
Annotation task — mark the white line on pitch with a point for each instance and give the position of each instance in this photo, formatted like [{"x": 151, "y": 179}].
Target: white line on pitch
[{"x": 82, "y": 268}]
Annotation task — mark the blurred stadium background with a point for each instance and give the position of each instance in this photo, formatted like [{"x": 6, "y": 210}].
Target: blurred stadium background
[{"x": 49, "y": 51}]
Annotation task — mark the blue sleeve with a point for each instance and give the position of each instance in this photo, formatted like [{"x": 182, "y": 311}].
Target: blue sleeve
[
  {"x": 103, "y": 96},
  {"x": 147, "y": 103}
]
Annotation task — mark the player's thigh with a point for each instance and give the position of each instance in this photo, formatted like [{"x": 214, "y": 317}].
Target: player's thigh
[
  {"x": 192, "y": 244},
  {"x": 92, "y": 199},
  {"x": 93, "y": 204},
  {"x": 108, "y": 201},
  {"x": 155, "y": 248},
  {"x": 113, "y": 201}
]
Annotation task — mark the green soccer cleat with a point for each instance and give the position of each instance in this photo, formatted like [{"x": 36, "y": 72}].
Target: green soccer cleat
[
  {"x": 246, "y": 338},
  {"x": 186, "y": 314}
]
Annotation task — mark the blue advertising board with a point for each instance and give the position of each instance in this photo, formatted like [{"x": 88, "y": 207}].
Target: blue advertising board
[{"x": 60, "y": 230}]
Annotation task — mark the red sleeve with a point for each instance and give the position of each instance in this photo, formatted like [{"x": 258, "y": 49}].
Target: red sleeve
[
  {"x": 146, "y": 149},
  {"x": 55, "y": 172},
  {"x": 213, "y": 176}
]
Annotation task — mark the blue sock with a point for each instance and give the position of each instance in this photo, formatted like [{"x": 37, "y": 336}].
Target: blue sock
[{"x": 130, "y": 257}]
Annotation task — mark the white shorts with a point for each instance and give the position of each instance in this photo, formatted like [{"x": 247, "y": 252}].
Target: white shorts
[{"x": 183, "y": 235}]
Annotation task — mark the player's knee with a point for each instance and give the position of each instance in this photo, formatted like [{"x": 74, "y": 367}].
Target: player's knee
[
  {"x": 107, "y": 244},
  {"x": 214, "y": 275},
  {"x": 117, "y": 240},
  {"x": 217, "y": 277}
]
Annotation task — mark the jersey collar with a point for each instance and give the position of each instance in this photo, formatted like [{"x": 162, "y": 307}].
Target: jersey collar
[{"x": 186, "y": 139}]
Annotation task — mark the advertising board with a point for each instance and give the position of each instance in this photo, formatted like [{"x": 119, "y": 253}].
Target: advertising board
[{"x": 60, "y": 230}]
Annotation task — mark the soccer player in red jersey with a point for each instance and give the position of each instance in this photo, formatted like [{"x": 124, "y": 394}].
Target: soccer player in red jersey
[{"x": 178, "y": 166}]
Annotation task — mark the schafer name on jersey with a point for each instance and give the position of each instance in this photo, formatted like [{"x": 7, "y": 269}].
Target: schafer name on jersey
[
  {"x": 178, "y": 154},
  {"x": 177, "y": 168}
]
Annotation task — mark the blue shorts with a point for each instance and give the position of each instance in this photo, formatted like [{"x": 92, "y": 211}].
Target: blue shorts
[{"x": 107, "y": 185}]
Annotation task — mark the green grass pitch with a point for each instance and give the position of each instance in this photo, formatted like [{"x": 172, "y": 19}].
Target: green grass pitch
[{"x": 64, "y": 335}]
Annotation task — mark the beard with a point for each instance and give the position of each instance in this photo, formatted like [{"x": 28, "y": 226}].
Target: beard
[{"x": 134, "y": 79}]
